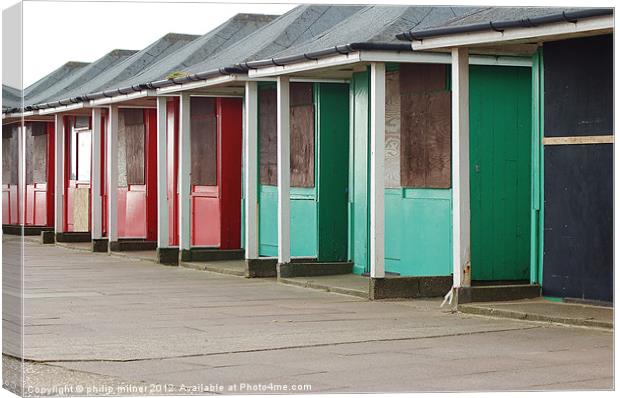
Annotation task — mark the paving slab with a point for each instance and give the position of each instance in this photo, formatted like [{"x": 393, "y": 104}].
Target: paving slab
[
  {"x": 95, "y": 318},
  {"x": 229, "y": 267},
  {"x": 350, "y": 284},
  {"x": 544, "y": 310}
]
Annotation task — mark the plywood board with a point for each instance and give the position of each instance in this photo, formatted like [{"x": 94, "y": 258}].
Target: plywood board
[
  {"x": 302, "y": 146},
  {"x": 425, "y": 140},
  {"x": 267, "y": 127},
  {"x": 392, "y": 130},
  {"x": 203, "y": 140},
  {"x": 133, "y": 124},
  {"x": 81, "y": 209},
  {"x": 422, "y": 78}
]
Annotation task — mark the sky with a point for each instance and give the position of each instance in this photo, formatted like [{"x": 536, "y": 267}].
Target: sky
[{"x": 59, "y": 31}]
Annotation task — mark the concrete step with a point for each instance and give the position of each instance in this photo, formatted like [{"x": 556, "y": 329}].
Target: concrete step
[
  {"x": 126, "y": 245},
  {"x": 211, "y": 254},
  {"x": 73, "y": 237},
  {"x": 234, "y": 267},
  {"x": 297, "y": 269},
  {"x": 541, "y": 310},
  {"x": 326, "y": 283},
  {"x": 487, "y": 293},
  {"x": 28, "y": 230}
]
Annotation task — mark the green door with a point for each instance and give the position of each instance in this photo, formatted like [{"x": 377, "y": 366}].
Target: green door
[
  {"x": 500, "y": 166},
  {"x": 358, "y": 205}
]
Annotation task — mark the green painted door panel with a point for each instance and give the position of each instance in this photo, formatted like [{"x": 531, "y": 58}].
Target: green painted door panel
[
  {"x": 359, "y": 223},
  {"x": 332, "y": 104},
  {"x": 500, "y": 167}
]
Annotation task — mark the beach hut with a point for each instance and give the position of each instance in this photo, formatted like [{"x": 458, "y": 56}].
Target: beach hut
[{"x": 571, "y": 204}]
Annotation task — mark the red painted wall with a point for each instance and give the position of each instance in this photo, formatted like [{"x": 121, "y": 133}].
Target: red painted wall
[
  {"x": 230, "y": 123},
  {"x": 216, "y": 210}
]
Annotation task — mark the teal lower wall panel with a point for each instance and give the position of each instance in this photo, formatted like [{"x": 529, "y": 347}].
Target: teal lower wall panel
[
  {"x": 418, "y": 232},
  {"x": 303, "y": 222},
  {"x": 393, "y": 200}
]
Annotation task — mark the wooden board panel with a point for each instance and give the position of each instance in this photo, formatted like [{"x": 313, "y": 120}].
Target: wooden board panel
[
  {"x": 39, "y": 159},
  {"x": 302, "y": 135},
  {"x": 267, "y": 127},
  {"x": 579, "y": 226},
  {"x": 422, "y": 78},
  {"x": 302, "y": 146},
  {"x": 203, "y": 136},
  {"x": 133, "y": 124},
  {"x": 392, "y": 130},
  {"x": 578, "y": 92},
  {"x": 29, "y": 154},
  {"x": 81, "y": 209},
  {"x": 425, "y": 140},
  {"x": 9, "y": 154}
]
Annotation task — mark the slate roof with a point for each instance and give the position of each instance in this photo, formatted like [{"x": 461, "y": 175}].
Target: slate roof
[
  {"x": 497, "y": 16},
  {"x": 52, "y": 78},
  {"x": 376, "y": 24},
  {"x": 300, "y": 25},
  {"x": 59, "y": 90},
  {"x": 132, "y": 65},
  {"x": 11, "y": 98},
  {"x": 205, "y": 46}
]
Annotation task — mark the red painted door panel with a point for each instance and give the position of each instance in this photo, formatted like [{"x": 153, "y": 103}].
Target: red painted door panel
[
  {"x": 29, "y": 205},
  {"x": 135, "y": 212},
  {"x": 206, "y": 216}
]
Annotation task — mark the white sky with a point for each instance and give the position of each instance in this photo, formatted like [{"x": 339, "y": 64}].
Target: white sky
[{"x": 57, "y": 31}]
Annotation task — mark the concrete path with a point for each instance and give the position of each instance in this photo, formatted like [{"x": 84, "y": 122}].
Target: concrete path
[{"x": 93, "y": 319}]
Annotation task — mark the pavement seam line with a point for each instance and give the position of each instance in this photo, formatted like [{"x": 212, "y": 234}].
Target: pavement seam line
[{"x": 293, "y": 347}]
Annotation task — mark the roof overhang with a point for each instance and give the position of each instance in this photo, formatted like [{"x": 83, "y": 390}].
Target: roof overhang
[
  {"x": 334, "y": 66},
  {"x": 516, "y": 36}
]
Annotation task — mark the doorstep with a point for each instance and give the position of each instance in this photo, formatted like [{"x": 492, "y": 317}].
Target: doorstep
[
  {"x": 349, "y": 284},
  {"x": 543, "y": 310},
  {"x": 28, "y": 230},
  {"x": 228, "y": 267}
]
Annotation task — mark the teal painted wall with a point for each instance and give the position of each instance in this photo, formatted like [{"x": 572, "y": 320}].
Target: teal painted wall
[
  {"x": 303, "y": 221},
  {"x": 358, "y": 180},
  {"x": 318, "y": 215},
  {"x": 418, "y": 234}
]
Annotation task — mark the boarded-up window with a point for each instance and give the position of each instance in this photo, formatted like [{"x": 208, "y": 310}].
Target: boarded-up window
[
  {"x": 392, "y": 130},
  {"x": 132, "y": 122},
  {"x": 425, "y": 126},
  {"x": 36, "y": 153},
  {"x": 267, "y": 126},
  {"x": 9, "y": 154},
  {"x": 203, "y": 138},
  {"x": 302, "y": 135}
]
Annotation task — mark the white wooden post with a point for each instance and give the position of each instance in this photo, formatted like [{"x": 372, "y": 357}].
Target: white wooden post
[
  {"x": 284, "y": 171},
  {"x": 59, "y": 172},
  {"x": 377, "y": 160},
  {"x": 162, "y": 175},
  {"x": 460, "y": 168},
  {"x": 251, "y": 172},
  {"x": 112, "y": 172},
  {"x": 95, "y": 182},
  {"x": 184, "y": 174}
]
